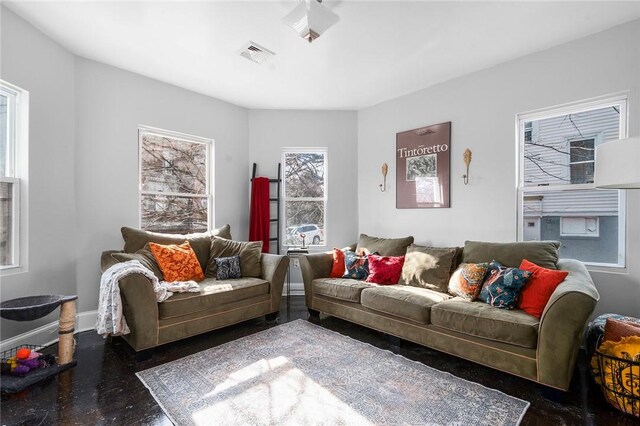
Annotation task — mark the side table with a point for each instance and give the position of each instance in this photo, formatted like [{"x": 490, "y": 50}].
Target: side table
[{"x": 293, "y": 253}]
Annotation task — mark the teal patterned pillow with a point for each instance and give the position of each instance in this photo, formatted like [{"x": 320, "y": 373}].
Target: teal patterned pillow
[
  {"x": 356, "y": 265},
  {"x": 228, "y": 267},
  {"x": 502, "y": 285}
]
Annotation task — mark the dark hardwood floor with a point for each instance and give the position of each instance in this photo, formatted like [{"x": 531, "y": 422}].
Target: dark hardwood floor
[{"x": 103, "y": 389}]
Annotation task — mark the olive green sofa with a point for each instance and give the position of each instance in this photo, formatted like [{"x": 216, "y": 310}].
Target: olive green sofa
[
  {"x": 543, "y": 350},
  {"x": 218, "y": 304}
]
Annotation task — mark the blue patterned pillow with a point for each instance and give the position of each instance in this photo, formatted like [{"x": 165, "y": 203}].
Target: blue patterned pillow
[
  {"x": 356, "y": 265},
  {"x": 228, "y": 267},
  {"x": 502, "y": 285}
]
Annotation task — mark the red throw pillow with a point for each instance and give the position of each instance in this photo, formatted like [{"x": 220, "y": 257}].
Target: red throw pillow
[
  {"x": 537, "y": 292},
  {"x": 337, "y": 270},
  {"x": 384, "y": 269}
]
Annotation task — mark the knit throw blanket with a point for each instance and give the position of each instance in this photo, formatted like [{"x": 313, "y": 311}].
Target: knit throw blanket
[{"x": 111, "y": 319}]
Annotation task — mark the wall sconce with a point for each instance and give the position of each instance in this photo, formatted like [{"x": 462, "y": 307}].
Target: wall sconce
[
  {"x": 467, "y": 160},
  {"x": 383, "y": 185}
]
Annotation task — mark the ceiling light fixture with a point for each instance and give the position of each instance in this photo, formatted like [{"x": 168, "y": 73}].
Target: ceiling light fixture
[{"x": 310, "y": 19}]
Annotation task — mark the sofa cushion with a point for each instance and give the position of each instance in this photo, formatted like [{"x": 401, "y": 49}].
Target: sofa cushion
[
  {"x": 135, "y": 239},
  {"x": 482, "y": 320},
  {"x": 249, "y": 252},
  {"x": 538, "y": 290},
  {"x": 340, "y": 288},
  {"x": 213, "y": 293},
  {"x": 542, "y": 253},
  {"x": 143, "y": 256},
  {"x": 502, "y": 286},
  {"x": 384, "y": 270},
  {"x": 228, "y": 267},
  {"x": 429, "y": 267},
  {"x": 466, "y": 281},
  {"x": 384, "y": 246},
  {"x": 337, "y": 269},
  {"x": 178, "y": 262},
  {"x": 408, "y": 302},
  {"x": 356, "y": 265}
]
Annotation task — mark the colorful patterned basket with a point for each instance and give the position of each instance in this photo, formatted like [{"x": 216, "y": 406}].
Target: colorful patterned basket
[{"x": 619, "y": 379}]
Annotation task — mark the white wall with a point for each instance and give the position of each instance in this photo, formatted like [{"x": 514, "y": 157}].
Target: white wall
[
  {"x": 37, "y": 64},
  {"x": 482, "y": 107},
  {"x": 110, "y": 104},
  {"x": 272, "y": 130}
]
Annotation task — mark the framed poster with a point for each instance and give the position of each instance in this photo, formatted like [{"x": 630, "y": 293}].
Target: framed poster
[{"x": 422, "y": 167}]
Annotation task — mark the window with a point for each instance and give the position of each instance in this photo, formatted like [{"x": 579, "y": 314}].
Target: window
[
  {"x": 305, "y": 196},
  {"x": 13, "y": 140},
  {"x": 582, "y": 160},
  {"x": 579, "y": 226},
  {"x": 175, "y": 194},
  {"x": 558, "y": 199},
  {"x": 528, "y": 131}
]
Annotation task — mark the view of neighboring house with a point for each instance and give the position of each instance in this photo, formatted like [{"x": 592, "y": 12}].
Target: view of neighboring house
[{"x": 559, "y": 157}]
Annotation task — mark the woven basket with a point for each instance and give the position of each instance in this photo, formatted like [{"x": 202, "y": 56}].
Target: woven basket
[{"x": 620, "y": 382}]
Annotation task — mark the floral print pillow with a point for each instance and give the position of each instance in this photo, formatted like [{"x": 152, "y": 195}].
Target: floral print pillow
[
  {"x": 502, "y": 286},
  {"x": 356, "y": 265},
  {"x": 177, "y": 262},
  {"x": 466, "y": 281},
  {"x": 228, "y": 267}
]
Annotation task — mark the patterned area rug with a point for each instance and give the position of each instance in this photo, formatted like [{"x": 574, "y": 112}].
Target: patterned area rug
[{"x": 301, "y": 374}]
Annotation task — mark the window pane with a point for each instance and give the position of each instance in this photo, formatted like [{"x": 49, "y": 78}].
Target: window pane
[
  {"x": 304, "y": 175},
  {"x": 172, "y": 165},
  {"x": 585, "y": 222},
  {"x": 583, "y": 150},
  {"x": 582, "y": 172},
  {"x": 562, "y": 140},
  {"x": 6, "y": 223},
  {"x": 304, "y": 217},
  {"x": 4, "y": 141},
  {"x": 172, "y": 214}
]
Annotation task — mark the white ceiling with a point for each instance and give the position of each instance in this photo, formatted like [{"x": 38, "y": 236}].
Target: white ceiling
[{"x": 378, "y": 51}]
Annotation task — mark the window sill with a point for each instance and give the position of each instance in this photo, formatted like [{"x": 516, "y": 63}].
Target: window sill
[
  {"x": 606, "y": 268},
  {"x": 6, "y": 271}
]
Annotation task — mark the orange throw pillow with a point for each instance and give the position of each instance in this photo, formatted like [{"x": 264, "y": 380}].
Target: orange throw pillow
[
  {"x": 537, "y": 292},
  {"x": 177, "y": 262},
  {"x": 615, "y": 330},
  {"x": 337, "y": 270}
]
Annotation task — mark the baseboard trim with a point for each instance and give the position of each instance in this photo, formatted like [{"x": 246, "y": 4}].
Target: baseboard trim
[
  {"x": 48, "y": 334},
  {"x": 297, "y": 289}
]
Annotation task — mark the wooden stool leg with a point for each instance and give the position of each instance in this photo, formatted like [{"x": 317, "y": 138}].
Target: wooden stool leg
[{"x": 66, "y": 327}]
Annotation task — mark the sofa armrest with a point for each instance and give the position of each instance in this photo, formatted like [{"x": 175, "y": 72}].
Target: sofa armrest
[
  {"x": 562, "y": 325},
  {"x": 107, "y": 261},
  {"x": 140, "y": 310},
  {"x": 139, "y": 305},
  {"x": 274, "y": 270},
  {"x": 316, "y": 265}
]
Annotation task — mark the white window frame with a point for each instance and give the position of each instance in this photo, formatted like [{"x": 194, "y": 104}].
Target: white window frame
[
  {"x": 209, "y": 193},
  {"x": 17, "y": 173},
  {"x": 283, "y": 231},
  {"x": 621, "y": 99}
]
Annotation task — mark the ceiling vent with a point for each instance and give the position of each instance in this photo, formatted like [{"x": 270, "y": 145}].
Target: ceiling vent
[{"x": 256, "y": 53}]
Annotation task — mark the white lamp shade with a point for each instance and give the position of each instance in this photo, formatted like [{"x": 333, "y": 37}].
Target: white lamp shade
[{"x": 618, "y": 164}]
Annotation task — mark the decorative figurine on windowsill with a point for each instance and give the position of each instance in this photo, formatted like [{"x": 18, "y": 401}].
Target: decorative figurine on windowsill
[{"x": 302, "y": 237}]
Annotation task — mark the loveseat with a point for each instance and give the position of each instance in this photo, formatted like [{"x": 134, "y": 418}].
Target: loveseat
[
  {"x": 543, "y": 350},
  {"x": 219, "y": 303}
]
